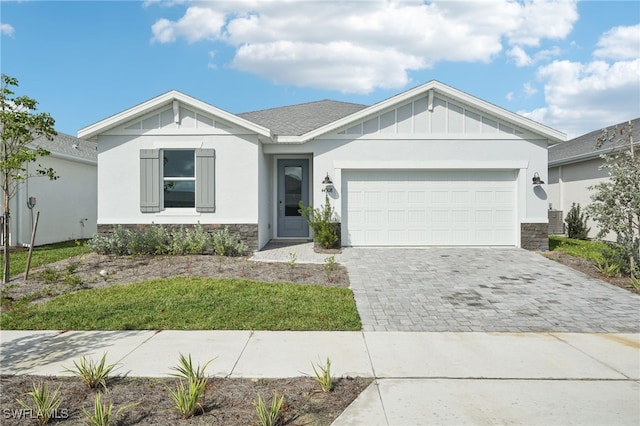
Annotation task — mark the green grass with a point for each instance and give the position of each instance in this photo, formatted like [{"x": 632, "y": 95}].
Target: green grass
[
  {"x": 591, "y": 250},
  {"x": 43, "y": 255},
  {"x": 193, "y": 304}
]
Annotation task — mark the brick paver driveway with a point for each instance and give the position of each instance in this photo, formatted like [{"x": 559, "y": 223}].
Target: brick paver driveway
[{"x": 482, "y": 289}]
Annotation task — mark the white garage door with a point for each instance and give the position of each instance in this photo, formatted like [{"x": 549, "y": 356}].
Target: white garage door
[{"x": 428, "y": 207}]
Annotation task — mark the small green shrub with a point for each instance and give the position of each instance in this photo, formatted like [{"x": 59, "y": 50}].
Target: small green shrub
[
  {"x": 73, "y": 281},
  {"x": 186, "y": 370},
  {"x": 44, "y": 403},
  {"x": 330, "y": 268},
  {"x": 72, "y": 267},
  {"x": 50, "y": 276},
  {"x": 102, "y": 413},
  {"x": 576, "y": 223},
  {"x": 225, "y": 244},
  {"x": 269, "y": 415},
  {"x": 607, "y": 268},
  {"x": 323, "y": 223},
  {"x": 186, "y": 399},
  {"x": 323, "y": 376},
  {"x": 93, "y": 374}
]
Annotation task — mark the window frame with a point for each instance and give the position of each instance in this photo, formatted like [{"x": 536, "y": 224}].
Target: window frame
[{"x": 164, "y": 179}]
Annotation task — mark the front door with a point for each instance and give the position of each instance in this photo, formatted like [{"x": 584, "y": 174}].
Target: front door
[{"x": 293, "y": 187}]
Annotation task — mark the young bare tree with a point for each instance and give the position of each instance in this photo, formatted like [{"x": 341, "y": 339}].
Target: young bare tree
[
  {"x": 616, "y": 203},
  {"x": 20, "y": 125}
]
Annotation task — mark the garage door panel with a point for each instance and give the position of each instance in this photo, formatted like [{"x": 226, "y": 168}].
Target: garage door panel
[{"x": 429, "y": 207}]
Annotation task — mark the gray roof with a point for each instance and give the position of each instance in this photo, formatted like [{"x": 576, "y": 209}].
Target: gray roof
[
  {"x": 68, "y": 145},
  {"x": 296, "y": 120},
  {"x": 584, "y": 147}
]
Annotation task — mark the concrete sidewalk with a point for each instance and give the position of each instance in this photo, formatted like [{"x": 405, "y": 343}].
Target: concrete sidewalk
[{"x": 421, "y": 377}]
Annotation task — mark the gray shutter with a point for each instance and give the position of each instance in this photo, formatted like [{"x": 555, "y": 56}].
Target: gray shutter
[
  {"x": 205, "y": 180},
  {"x": 149, "y": 180}
]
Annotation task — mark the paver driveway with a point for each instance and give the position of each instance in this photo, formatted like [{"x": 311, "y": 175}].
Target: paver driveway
[{"x": 482, "y": 289}]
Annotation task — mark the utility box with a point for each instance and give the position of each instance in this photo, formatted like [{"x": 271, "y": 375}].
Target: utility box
[{"x": 556, "y": 223}]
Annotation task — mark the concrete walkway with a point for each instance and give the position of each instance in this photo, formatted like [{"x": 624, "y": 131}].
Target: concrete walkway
[{"x": 421, "y": 378}]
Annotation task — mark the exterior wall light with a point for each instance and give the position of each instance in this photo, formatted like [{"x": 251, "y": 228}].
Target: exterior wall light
[
  {"x": 536, "y": 179},
  {"x": 327, "y": 184}
]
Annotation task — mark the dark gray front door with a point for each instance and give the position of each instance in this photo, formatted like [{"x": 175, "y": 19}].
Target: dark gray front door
[{"x": 293, "y": 187}]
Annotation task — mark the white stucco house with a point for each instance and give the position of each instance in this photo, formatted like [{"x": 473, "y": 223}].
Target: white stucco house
[
  {"x": 430, "y": 166},
  {"x": 67, "y": 205},
  {"x": 574, "y": 166}
]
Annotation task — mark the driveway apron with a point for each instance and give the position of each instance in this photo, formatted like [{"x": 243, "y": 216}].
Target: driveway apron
[{"x": 486, "y": 289}]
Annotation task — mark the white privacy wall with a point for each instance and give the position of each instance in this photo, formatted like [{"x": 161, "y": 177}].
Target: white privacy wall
[
  {"x": 236, "y": 174},
  {"x": 67, "y": 206},
  {"x": 570, "y": 183}
]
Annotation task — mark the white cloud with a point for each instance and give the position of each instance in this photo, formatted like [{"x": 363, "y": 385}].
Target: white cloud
[
  {"x": 619, "y": 43},
  {"x": 7, "y": 30},
  {"x": 198, "y": 23},
  {"x": 522, "y": 59},
  {"x": 519, "y": 56},
  {"x": 358, "y": 46},
  {"x": 529, "y": 90},
  {"x": 584, "y": 97},
  {"x": 509, "y": 96}
]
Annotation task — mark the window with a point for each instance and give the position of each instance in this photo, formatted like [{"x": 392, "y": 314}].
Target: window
[
  {"x": 179, "y": 178},
  {"x": 185, "y": 177}
]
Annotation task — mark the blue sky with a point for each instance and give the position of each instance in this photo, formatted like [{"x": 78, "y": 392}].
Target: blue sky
[{"x": 574, "y": 66}]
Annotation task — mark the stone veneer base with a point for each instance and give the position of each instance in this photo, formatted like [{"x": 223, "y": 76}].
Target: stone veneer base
[{"x": 534, "y": 236}]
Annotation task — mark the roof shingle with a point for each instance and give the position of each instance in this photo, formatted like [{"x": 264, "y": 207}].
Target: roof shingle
[{"x": 296, "y": 120}]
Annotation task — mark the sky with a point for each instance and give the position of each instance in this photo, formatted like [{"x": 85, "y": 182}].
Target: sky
[{"x": 573, "y": 66}]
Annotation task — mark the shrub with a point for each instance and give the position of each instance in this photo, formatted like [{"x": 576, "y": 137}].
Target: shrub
[
  {"x": 225, "y": 244},
  {"x": 323, "y": 223},
  {"x": 91, "y": 373},
  {"x": 102, "y": 412},
  {"x": 160, "y": 240},
  {"x": 269, "y": 415},
  {"x": 44, "y": 402},
  {"x": 186, "y": 399},
  {"x": 323, "y": 376},
  {"x": 621, "y": 253},
  {"x": 576, "y": 223}
]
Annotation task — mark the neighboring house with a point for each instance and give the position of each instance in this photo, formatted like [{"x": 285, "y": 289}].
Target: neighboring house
[
  {"x": 67, "y": 205},
  {"x": 575, "y": 165},
  {"x": 430, "y": 166}
]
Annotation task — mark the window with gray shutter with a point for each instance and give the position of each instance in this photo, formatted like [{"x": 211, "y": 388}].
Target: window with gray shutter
[
  {"x": 205, "y": 180},
  {"x": 149, "y": 180},
  {"x": 176, "y": 177}
]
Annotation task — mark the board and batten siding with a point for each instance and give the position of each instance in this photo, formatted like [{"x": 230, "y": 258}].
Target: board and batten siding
[{"x": 432, "y": 116}]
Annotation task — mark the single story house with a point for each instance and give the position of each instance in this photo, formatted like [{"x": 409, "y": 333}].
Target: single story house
[
  {"x": 67, "y": 205},
  {"x": 429, "y": 166},
  {"x": 574, "y": 166}
]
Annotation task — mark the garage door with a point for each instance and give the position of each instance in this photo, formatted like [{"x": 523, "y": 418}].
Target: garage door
[{"x": 427, "y": 207}]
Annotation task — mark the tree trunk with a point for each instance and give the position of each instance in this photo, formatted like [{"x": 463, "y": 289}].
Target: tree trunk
[{"x": 6, "y": 229}]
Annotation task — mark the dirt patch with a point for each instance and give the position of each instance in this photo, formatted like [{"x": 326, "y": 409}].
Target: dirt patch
[
  {"x": 226, "y": 401},
  {"x": 585, "y": 266}
]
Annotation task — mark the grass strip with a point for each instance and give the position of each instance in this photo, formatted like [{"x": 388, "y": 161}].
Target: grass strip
[
  {"x": 193, "y": 304},
  {"x": 44, "y": 255},
  {"x": 590, "y": 250}
]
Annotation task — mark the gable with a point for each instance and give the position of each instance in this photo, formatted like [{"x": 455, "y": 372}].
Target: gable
[
  {"x": 167, "y": 119},
  {"x": 432, "y": 115}
]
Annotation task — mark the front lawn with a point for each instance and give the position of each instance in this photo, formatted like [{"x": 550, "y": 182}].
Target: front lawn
[{"x": 193, "y": 304}]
